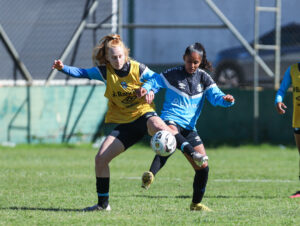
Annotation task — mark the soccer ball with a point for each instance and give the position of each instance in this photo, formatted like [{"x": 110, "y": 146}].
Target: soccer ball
[{"x": 163, "y": 143}]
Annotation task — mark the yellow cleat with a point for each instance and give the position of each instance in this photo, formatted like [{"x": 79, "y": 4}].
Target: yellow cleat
[
  {"x": 147, "y": 179},
  {"x": 199, "y": 207}
]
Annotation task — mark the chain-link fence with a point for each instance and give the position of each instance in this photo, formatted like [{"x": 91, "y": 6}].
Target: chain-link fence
[{"x": 40, "y": 31}]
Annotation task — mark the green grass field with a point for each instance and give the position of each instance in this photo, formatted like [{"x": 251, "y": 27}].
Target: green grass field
[{"x": 48, "y": 185}]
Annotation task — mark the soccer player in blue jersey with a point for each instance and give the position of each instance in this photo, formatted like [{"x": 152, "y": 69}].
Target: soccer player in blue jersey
[
  {"x": 291, "y": 77},
  {"x": 186, "y": 89},
  {"x": 134, "y": 117}
]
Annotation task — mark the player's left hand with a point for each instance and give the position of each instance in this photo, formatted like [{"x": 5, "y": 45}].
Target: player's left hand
[
  {"x": 150, "y": 97},
  {"x": 228, "y": 98}
]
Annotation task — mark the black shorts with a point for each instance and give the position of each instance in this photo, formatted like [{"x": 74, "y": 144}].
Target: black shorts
[
  {"x": 131, "y": 133},
  {"x": 190, "y": 135},
  {"x": 297, "y": 130}
]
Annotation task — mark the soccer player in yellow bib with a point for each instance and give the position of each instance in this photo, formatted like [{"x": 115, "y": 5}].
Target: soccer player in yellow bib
[
  {"x": 134, "y": 116},
  {"x": 291, "y": 76}
]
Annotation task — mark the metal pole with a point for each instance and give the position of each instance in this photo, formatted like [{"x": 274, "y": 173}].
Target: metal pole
[
  {"x": 120, "y": 14},
  {"x": 10, "y": 124},
  {"x": 28, "y": 115},
  {"x": 73, "y": 40},
  {"x": 94, "y": 30},
  {"x": 278, "y": 44},
  {"x": 14, "y": 54},
  {"x": 114, "y": 18},
  {"x": 156, "y": 26},
  {"x": 256, "y": 71},
  {"x": 131, "y": 19},
  {"x": 80, "y": 113},
  {"x": 239, "y": 37},
  {"x": 69, "y": 114}
]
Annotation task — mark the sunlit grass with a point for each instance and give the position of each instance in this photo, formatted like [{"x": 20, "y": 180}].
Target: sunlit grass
[{"x": 50, "y": 184}]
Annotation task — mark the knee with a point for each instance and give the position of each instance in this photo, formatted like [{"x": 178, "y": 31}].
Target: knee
[
  {"x": 205, "y": 166},
  {"x": 155, "y": 124},
  {"x": 151, "y": 127},
  {"x": 100, "y": 160},
  {"x": 151, "y": 132}
]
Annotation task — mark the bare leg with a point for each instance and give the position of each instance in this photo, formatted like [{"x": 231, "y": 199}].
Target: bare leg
[
  {"x": 297, "y": 139},
  {"x": 110, "y": 148},
  {"x": 156, "y": 124}
]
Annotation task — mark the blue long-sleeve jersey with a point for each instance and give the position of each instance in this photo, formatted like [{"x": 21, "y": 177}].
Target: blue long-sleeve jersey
[
  {"x": 285, "y": 84},
  {"x": 185, "y": 94},
  {"x": 99, "y": 73}
]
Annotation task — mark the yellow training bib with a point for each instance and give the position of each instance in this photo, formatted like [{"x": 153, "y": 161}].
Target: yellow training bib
[
  {"x": 295, "y": 75},
  {"x": 123, "y": 105}
]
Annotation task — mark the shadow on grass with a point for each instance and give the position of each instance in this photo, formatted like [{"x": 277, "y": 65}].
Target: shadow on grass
[
  {"x": 163, "y": 196},
  {"x": 42, "y": 209},
  {"x": 208, "y": 196},
  {"x": 241, "y": 197}
]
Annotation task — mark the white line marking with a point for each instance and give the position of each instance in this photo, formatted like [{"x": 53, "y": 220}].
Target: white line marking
[
  {"x": 225, "y": 180},
  {"x": 253, "y": 180}
]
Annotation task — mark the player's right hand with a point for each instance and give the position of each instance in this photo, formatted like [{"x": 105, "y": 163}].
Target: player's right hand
[
  {"x": 58, "y": 64},
  {"x": 280, "y": 107},
  {"x": 141, "y": 92}
]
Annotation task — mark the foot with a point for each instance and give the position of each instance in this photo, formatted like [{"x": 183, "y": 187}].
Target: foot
[
  {"x": 199, "y": 207},
  {"x": 199, "y": 159},
  {"x": 296, "y": 195},
  {"x": 96, "y": 208},
  {"x": 147, "y": 179}
]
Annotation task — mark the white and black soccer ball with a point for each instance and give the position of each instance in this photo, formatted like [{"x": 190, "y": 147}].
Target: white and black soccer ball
[{"x": 163, "y": 143}]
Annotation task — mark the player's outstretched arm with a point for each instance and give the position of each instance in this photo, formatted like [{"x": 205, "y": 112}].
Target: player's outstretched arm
[
  {"x": 217, "y": 98},
  {"x": 90, "y": 73},
  {"x": 280, "y": 107}
]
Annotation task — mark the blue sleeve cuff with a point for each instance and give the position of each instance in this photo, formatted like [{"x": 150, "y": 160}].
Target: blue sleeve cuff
[
  {"x": 65, "y": 69},
  {"x": 286, "y": 82},
  {"x": 278, "y": 99},
  {"x": 155, "y": 90},
  {"x": 227, "y": 104},
  {"x": 147, "y": 87},
  {"x": 75, "y": 72}
]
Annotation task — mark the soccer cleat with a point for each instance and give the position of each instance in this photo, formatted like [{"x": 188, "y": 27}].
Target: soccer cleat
[
  {"x": 296, "y": 195},
  {"x": 199, "y": 207},
  {"x": 199, "y": 159},
  {"x": 147, "y": 179},
  {"x": 96, "y": 208}
]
